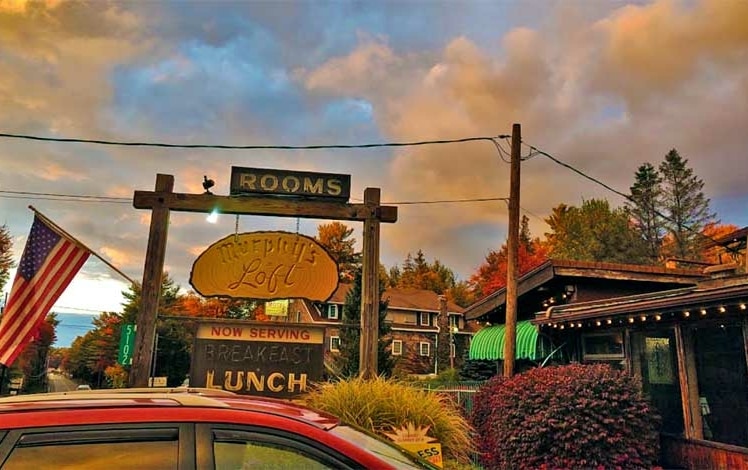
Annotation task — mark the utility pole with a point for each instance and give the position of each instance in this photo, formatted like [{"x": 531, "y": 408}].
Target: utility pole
[
  {"x": 145, "y": 334},
  {"x": 512, "y": 245},
  {"x": 369, "y": 346}
]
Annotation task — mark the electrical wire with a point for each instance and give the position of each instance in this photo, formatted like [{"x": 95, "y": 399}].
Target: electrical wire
[
  {"x": 625, "y": 196},
  {"x": 92, "y": 198},
  {"x": 245, "y": 147},
  {"x": 82, "y": 196},
  {"x": 447, "y": 201}
]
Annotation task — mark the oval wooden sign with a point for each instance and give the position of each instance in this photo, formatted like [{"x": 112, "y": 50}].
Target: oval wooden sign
[{"x": 265, "y": 265}]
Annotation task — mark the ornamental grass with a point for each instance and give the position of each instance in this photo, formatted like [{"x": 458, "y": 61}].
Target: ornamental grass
[{"x": 383, "y": 405}]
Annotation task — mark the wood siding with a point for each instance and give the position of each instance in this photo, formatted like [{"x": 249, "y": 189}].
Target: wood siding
[{"x": 702, "y": 455}]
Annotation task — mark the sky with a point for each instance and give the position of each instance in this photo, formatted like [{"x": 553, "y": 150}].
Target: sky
[{"x": 603, "y": 86}]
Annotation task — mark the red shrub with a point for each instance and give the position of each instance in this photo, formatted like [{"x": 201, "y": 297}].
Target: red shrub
[{"x": 576, "y": 416}]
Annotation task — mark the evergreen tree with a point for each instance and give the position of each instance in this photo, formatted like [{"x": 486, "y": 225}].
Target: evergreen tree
[
  {"x": 418, "y": 273},
  {"x": 348, "y": 360},
  {"x": 644, "y": 208},
  {"x": 685, "y": 206}
]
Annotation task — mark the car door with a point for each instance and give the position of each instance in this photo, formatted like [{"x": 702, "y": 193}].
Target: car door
[
  {"x": 162, "y": 446},
  {"x": 232, "y": 447}
]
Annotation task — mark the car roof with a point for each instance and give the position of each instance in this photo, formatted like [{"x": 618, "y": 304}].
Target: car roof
[{"x": 164, "y": 397}]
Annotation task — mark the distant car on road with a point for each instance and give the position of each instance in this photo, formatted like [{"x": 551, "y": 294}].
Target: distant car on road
[
  {"x": 83, "y": 387},
  {"x": 183, "y": 428}
]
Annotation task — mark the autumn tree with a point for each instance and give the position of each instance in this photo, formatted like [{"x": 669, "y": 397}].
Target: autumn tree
[
  {"x": 6, "y": 259},
  {"x": 418, "y": 273},
  {"x": 91, "y": 354},
  {"x": 685, "y": 207},
  {"x": 348, "y": 359},
  {"x": 594, "y": 232},
  {"x": 337, "y": 239},
  {"x": 717, "y": 254},
  {"x": 644, "y": 206},
  {"x": 491, "y": 274},
  {"x": 194, "y": 305},
  {"x": 32, "y": 361}
]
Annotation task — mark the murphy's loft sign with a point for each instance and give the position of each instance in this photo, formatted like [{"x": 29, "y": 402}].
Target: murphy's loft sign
[
  {"x": 265, "y": 265},
  {"x": 253, "y": 358},
  {"x": 289, "y": 183}
]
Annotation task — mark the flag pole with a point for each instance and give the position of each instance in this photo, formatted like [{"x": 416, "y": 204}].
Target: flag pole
[{"x": 60, "y": 230}]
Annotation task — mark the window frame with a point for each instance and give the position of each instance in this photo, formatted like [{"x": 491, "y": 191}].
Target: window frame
[
  {"x": 398, "y": 342},
  {"x": 205, "y": 434},
  {"x": 604, "y": 357},
  {"x": 334, "y": 349},
  {"x": 427, "y": 345},
  {"x": 332, "y": 312},
  {"x": 421, "y": 318},
  {"x": 101, "y": 434}
]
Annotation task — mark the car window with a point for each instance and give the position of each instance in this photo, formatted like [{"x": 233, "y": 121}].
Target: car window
[
  {"x": 100, "y": 449},
  {"x": 386, "y": 450},
  {"x": 235, "y": 449},
  {"x": 257, "y": 455}
]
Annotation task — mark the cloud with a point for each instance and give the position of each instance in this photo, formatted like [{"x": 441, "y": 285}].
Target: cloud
[
  {"x": 604, "y": 95},
  {"x": 648, "y": 49},
  {"x": 601, "y": 88}
]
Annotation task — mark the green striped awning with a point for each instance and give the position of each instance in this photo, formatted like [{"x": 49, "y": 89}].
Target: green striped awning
[{"x": 488, "y": 343}]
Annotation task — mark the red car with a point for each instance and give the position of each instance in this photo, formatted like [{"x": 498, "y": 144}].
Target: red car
[{"x": 182, "y": 428}]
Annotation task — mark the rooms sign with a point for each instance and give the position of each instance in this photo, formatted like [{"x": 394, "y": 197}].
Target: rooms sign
[{"x": 289, "y": 183}]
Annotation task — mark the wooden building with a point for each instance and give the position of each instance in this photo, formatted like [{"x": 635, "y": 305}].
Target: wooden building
[
  {"x": 420, "y": 326},
  {"x": 683, "y": 332}
]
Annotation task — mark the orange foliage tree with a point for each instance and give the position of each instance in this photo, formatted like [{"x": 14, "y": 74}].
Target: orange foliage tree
[
  {"x": 717, "y": 254},
  {"x": 491, "y": 274}
]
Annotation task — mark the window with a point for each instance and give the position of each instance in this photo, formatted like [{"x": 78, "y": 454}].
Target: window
[
  {"x": 397, "y": 347},
  {"x": 723, "y": 383},
  {"x": 241, "y": 449},
  {"x": 603, "y": 347},
  {"x": 332, "y": 311},
  {"x": 425, "y": 319},
  {"x": 656, "y": 363},
  {"x": 155, "y": 448},
  {"x": 236, "y": 449},
  {"x": 424, "y": 349},
  {"x": 334, "y": 343},
  {"x": 454, "y": 322}
]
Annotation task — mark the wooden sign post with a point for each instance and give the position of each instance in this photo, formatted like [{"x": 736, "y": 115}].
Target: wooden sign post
[{"x": 276, "y": 193}]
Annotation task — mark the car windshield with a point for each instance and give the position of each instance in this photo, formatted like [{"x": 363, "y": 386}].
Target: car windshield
[{"x": 389, "y": 451}]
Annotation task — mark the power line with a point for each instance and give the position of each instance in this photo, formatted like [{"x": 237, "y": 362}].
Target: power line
[
  {"x": 82, "y": 196},
  {"x": 246, "y": 147},
  {"x": 447, "y": 201},
  {"x": 623, "y": 195},
  {"x": 92, "y": 198}
]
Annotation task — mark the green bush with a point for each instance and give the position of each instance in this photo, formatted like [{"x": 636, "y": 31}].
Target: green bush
[
  {"x": 382, "y": 405},
  {"x": 567, "y": 417}
]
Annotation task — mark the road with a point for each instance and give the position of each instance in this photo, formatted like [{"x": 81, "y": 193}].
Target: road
[{"x": 60, "y": 383}]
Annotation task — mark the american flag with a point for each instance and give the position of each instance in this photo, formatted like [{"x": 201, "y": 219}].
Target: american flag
[{"x": 48, "y": 264}]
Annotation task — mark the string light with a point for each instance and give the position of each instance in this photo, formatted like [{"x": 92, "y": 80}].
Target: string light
[
  {"x": 721, "y": 309},
  {"x": 742, "y": 306},
  {"x": 658, "y": 317},
  {"x": 703, "y": 311}
]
